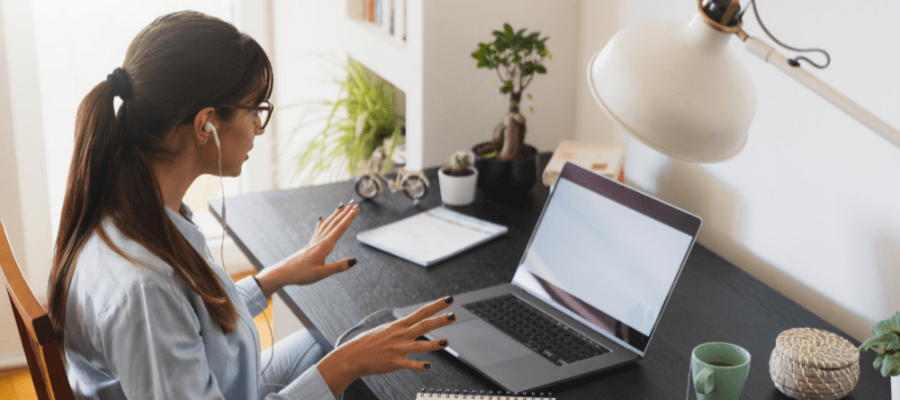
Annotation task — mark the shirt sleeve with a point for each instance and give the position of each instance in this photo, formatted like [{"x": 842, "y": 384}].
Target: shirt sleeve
[
  {"x": 310, "y": 385},
  {"x": 252, "y": 295},
  {"x": 152, "y": 343}
]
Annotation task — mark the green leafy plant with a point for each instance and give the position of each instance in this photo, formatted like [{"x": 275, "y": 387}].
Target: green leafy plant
[
  {"x": 358, "y": 123},
  {"x": 516, "y": 56},
  {"x": 887, "y": 336}
]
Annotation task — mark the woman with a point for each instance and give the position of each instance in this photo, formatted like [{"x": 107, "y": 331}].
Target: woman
[{"x": 141, "y": 308}]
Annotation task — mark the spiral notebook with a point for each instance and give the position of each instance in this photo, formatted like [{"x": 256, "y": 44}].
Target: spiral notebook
[
  {"x": 431, "y": 236},
  {"x": 472, "y": 394}
]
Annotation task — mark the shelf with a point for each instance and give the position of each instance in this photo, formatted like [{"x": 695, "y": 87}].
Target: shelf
[{"x": 379, "y": 51}]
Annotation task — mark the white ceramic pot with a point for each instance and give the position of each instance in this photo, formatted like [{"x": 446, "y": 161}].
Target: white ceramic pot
[
  {"x": 895, "y": 387},
  {"x": 457, "y": 190}
]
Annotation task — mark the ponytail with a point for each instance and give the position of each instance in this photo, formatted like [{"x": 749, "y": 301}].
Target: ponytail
[{"x": 167, "y": 78}]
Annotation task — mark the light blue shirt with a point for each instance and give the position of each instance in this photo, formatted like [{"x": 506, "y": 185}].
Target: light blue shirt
[{"x": 134, "y": 330}]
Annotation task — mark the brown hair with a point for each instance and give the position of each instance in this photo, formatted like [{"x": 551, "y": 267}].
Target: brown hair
[{"x": 176, "y": 66}]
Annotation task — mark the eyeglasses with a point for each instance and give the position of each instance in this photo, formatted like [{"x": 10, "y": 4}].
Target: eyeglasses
[{"x": 263, "y": 112}]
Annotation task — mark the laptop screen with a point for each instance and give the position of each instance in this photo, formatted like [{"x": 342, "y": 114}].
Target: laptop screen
[{"x": 607, "y": 255}]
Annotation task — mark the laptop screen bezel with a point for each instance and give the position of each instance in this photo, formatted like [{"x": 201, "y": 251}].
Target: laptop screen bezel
[{"x": 644, "y": 204}]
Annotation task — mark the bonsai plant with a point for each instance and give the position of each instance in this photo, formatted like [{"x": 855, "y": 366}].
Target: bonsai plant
[
  {"x": 508, "y": 166},
  {"x": 887, "y": 337},
  {"x": 457, "y": 180},
  {"x": 362, "y": 119},
  {"x": 517, "y": 57}
]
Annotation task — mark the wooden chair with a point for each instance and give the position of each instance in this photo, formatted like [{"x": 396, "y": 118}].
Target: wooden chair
[{"x": 44, "y": 359}]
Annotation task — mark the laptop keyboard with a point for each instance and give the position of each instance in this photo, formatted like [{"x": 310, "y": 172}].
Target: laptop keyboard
[{"x": 546, "y": 336}]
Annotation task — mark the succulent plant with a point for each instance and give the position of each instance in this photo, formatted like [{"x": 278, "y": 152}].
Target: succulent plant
[{"x": 459, "y": 163}]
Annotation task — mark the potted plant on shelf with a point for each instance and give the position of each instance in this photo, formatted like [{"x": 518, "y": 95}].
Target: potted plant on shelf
[
  {"x": 457, "y": 180},
  {"x": 887, "y": 336},
  {"x": 360, "y": 121},
  {"x": 507, "y": 166}
]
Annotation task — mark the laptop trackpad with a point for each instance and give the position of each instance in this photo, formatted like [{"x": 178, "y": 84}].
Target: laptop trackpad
[{"x": 480, "y": 343}]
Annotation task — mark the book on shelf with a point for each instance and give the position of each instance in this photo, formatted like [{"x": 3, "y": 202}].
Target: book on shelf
[
  {"x": 391, "y": 18},
  {"x": 390, "y": 14},
  {"x": 369, "y": 10},
  {"x": 356, "y": 9},
  {"x": 603, "y": 158},
  {"x": 379, "y": 11}
]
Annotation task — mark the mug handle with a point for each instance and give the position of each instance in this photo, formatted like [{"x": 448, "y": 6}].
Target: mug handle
[{"x": 704, "y": 382}]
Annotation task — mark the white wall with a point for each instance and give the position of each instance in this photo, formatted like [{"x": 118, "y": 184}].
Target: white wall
[
  {"x": 24, "y": 199},
  {"x": 10, "y": 348},
  {"x": 461, "y": 109},
  {"x": 598, "y": 21},
  {"x": 308, "y": 54},
  {"x": 810, "y": 205}
]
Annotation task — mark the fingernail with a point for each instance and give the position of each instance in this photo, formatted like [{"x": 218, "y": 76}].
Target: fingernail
[
  {"x": 448, "y": 300},
  {"x": 352, "y": 262},
  {"x": 451, "y": 316},
  {"x": 427, "y": 365},
  {"x": 352, "y": 201},
  {"x": 341, "y": 206},
  {"x": 320, "y": 219},
  {"x": 443, "y": 342},
  {"x": 355, "y": 206}
]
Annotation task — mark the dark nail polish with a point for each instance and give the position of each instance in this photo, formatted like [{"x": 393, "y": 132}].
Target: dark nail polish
[
  {"x": 448, "y": 300},
  {"x": 427, "y": 365},
  {"x": 451, "y": 316},
  {"x": 443, "y": 342},
  {"x": 352, "y": 262},
  {"x": 320, "y": 219},
  {"x": 341, "y": 206},
  {"x": 352, "y": 201}
]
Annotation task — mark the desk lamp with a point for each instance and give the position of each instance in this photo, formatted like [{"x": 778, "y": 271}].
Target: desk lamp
[{"x": 679, "y": 89}]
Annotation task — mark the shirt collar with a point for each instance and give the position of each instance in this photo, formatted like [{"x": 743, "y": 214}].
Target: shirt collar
[{"x": 188, "y": 229}]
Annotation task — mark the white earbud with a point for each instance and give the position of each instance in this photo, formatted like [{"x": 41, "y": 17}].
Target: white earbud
[{"x": 212, "y": 129}]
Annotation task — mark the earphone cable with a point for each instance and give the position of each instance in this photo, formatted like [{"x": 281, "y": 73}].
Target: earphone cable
[
  {"x": 269, "y": 323},
  {"x": 222, "y": 257},
  {"x": 338, "y": 343}
]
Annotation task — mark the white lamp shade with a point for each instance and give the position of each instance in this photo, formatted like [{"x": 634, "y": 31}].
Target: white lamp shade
[{"x": 676, "y": 87}]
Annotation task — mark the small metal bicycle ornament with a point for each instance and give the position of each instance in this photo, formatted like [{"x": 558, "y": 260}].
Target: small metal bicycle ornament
[{"x": 414, "y": 184}]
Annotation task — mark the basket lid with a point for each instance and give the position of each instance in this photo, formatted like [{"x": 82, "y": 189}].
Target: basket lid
[{"x": 816, "y": 348}]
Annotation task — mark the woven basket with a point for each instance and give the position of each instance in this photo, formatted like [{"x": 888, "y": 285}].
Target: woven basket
[{"x": 812, "y": 364}]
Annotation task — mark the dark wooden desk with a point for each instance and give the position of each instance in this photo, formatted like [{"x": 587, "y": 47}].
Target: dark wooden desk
[{"x": 713, "y": 300}]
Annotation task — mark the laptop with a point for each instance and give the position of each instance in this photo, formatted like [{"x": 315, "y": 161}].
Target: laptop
[{"x": 588, "y": 293}]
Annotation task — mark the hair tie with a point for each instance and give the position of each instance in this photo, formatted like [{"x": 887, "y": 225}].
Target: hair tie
[{"x": 119, "y": 83}]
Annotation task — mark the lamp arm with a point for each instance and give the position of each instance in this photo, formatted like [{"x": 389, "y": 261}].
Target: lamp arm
[{"x": 770, "y": 55}]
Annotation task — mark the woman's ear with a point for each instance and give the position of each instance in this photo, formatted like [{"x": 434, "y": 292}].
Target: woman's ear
[{"x": 205, "y": 115}]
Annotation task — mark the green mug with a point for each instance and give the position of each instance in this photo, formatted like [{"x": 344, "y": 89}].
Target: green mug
[{"x": 719, "y": 370}]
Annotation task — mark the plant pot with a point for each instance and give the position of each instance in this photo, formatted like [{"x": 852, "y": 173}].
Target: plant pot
[
  {"x": 458, "y": 190},
  {"x": 506, "y": 181},
  {"x": 895, "y": 387}
]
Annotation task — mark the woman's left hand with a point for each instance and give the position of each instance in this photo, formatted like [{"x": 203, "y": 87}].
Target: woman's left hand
[{"x": 308, "y": 265}]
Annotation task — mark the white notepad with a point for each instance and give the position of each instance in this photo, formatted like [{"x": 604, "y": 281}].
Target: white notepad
[{"x": 431, "y": 236}]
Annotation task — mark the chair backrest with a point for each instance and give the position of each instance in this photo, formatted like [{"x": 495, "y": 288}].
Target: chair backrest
[{"x": 44, "y": 359}]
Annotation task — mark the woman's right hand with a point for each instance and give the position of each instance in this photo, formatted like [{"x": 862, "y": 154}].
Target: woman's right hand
[{"x": 386, "y": 348}]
